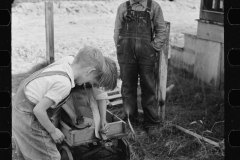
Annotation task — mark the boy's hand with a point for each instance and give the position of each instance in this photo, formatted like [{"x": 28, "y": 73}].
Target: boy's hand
[
  {"x": 104, "y": 126},
  {"x": 57, "y": 136}
]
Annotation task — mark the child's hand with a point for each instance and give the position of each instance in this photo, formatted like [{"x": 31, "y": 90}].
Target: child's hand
[
  {"x": 57, "y": 136},
  {"x": 105, "y": 126}
]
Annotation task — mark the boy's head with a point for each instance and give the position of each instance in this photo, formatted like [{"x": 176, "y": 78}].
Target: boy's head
[
  {"x": 88, "y": 64},
  {"x": 90, "y": 57},
  {"x": 108, "y": 79},
  {"x": 91, "y": 66}
]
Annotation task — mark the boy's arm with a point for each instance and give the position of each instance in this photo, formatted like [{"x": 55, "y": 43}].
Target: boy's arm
[
  {"x": 101, "y": 97},
  {"x": 40, "y": 112},
  {"x": 102, "y": 106}
]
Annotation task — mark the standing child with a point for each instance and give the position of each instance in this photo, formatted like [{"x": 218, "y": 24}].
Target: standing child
[
  {"x": 139, "y": 35},
  {"x": 37, "y": 102}
]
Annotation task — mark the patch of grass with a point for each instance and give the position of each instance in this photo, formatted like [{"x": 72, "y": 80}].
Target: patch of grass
[
  {"x": 191, "y": 101},
  {"x": 191, "y": 104}
]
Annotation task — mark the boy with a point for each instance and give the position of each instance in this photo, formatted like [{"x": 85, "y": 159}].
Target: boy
[
  {"x": 37, "y": 102},
  {"x": 86, "y": 105},
  {"x": 139, "y": 34}
]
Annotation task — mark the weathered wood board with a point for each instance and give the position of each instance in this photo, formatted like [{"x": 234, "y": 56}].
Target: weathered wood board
[
  {"x": 117, "y": 128},
  {"x": 207, "y": 61},
  {"x": 162, "y": 75},
  {"x": 49, "y": 32}
]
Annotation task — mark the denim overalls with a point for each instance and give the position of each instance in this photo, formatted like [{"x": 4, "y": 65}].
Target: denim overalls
[
  {"x": 33, "y": 142},
  {"x": 136, "y": 56}
]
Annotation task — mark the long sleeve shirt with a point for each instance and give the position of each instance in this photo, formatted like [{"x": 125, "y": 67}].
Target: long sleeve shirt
[{"x": 157, "y": 21}]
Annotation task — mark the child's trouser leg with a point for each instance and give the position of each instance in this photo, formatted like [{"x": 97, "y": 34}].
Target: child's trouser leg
[
  {"x": 18, "y": 151},
  {"x": 32, "y": 140}
]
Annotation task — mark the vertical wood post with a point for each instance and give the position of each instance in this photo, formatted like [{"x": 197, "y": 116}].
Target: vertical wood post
[
  {"x": 49, "y": 32},
  {"x": 162, "y": 75}
]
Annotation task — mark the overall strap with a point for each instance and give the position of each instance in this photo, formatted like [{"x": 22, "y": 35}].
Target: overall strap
[
  {"x": 149, "y": 4},
  {"x": 48, "y": 73},
  {"x": 40, "y": 73},
  {"x": 128, "y": 5}
]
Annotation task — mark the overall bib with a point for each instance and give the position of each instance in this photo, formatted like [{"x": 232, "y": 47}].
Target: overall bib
[
  {"x": 136, "y": 56},
  {"x": 33, "y": 142}
]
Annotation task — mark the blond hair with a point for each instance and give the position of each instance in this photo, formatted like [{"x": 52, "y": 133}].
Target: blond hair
[
  {"x": 108, "y": 79},
  {"x": 106, "y": 69},
  {"x": 90, "y": 56}
]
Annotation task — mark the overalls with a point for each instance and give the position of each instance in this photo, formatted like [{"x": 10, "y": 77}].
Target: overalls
[
  {"x": 33, "y": 142},
  {"x": 82, "y": 103},
  {"x": 136, "y": 56}
]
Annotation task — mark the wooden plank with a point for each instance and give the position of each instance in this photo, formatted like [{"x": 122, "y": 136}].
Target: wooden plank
[
  {"x": 197, "y": 136},
  {"x": 212, "y": 16},
  {"x": 116, "y": 90},
  {"x": 49, "y": 32},
  {"x": 115, "y": 128},
  {"x": 169, "y": 89},
  {"x": 162, "y": 71},
  {"x": 114, "y": 96},
  {"x": 87, "y": 135},
  {"x": 190, "y": 41},
  {"x": 212, "y": 32},
  {"x": 116, "y": 102},
  {"x": 207, "y": 61},
  {"x": 66, "y": 131}
]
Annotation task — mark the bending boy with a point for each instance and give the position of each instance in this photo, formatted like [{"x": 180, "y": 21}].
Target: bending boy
[
  {"x": 87, "y": 106},
  {"x": 38, "y": 101}
]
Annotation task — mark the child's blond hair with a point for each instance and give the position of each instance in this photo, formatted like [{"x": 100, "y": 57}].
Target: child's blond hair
[
  {"x": 108, "y": 79},
  {"x": 90, "y": 56},
  {"x": 106, "y": 69}
]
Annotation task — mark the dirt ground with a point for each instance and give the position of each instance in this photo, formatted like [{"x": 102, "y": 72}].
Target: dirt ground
[
  {"x": 83, "y": 23},
  {"x": 79, "y": 23}
]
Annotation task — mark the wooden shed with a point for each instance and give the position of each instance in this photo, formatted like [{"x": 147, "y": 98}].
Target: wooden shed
[{"x": 203, "y": 53}]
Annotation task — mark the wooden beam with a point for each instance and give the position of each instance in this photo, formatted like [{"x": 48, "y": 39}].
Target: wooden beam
[
  {"x": 49, "y": 32},
  {"x": 162, "y": 75},
  {"x": 214, "y": 16},
  {"x": 197, "y": 136}
]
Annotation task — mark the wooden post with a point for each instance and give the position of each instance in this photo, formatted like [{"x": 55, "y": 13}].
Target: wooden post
[
  {"x": 49, "y": 32},
  {"x": 162, "y": 75},
  {"x": 197, "y": 136}
]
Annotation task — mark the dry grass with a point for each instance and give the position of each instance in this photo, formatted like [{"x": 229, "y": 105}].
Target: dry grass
[{"x": 192, "y": 105}]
